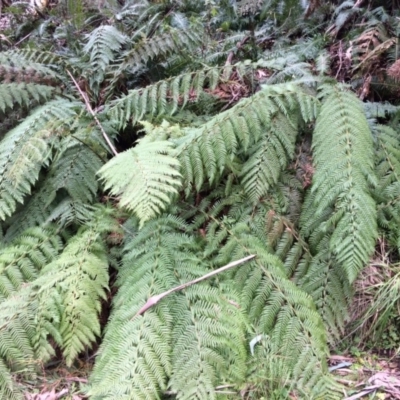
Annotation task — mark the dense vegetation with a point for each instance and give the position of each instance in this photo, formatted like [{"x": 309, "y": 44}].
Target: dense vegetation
[{"x": 145, "y": 144}]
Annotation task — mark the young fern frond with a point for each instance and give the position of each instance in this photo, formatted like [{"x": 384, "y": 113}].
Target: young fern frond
[
  {"x": 153, "y": 177},
  {"x": 340, "y": 203}
]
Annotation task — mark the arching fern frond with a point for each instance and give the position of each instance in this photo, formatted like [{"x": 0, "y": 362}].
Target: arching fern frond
[
  {"x": 102, "y": 45},
  {"x": 142, "y": 342},
  {"x": 14, "y": 66},
  {"x": 25, "y": 257},
  {"x": 168, "y": 95},
  {"x": 205, "y": 328},
  {"x": 173, "y": 41},
  {"x": 25, "y": 149},
  {"x": 153, "y": 177},
  {"x": 73, "y": 171},
  {"x": 205, "y": 152},
  {"x": 12, "y": 94},
  {"x": 282, "y": 312},
  {"x": 340, "y": 203},
  {"x": 74, "y": 284}
]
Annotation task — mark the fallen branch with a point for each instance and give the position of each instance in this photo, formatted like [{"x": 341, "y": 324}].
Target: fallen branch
[
  {"x": 153, "y": 300},
  {"x": 90, "y": 109}
]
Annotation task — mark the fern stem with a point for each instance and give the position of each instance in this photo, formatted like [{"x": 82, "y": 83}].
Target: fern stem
[{"x": 90, "y": 109}]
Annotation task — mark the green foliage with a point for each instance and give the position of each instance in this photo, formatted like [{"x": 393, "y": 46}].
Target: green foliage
[
  {"x": 248, "y": 148},
  {"x": 153, "y": 176}
]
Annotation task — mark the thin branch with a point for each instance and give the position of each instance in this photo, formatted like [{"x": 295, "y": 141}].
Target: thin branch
[
  {"x": 90, "y": 109},
  {"x": 155, "y": 299}
]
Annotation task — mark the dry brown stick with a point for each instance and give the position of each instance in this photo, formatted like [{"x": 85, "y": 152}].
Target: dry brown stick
[
  {"x": 90, "y": 109},
  {"x": 153, "y": 300}
]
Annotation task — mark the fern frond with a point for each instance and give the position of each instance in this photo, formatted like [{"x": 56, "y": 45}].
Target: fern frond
[
  {"x": 205, "y": 152},
  {"x": 21, "y": 262},
  {"x": 153, "y": 177},
  {"x": 102, "y": 45},
  {"x": 340, "y": 203},
  {"x": 25, "y": 149},
  {"x": 22, "y": 94},
  {"x": 174, "y": 41},
  {"x": 15, "y": 67},
  {"x": 209, "y": 343},
  {"x": 194, "y": 338},
  {"x": 387, "y": 193},
  {"x": 270, "y": 155},
  {"x": 142, "y": 342},
  {"x": 73, "y": 170},
  {"x": 168, "y": 95},
  {"x": 23, "y": 259},
  {"x": 75, "y": 283},
  {"x": 280, "y": 310}
]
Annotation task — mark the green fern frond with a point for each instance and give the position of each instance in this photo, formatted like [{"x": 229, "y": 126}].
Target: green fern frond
[
  {"x": 205, "y": 152},
  {"x": 340, "y": 203},
  {"x": 75, "y": 283},
  {"x": 142, "y": 342},
  {"x": 15, "y": 67},
  {"x": 280, "y": 310},
  {"x": 153, "y": 177},
  {"x": 173, "y": 41},
  {"x": 25, "y": 149},
  {"x": 102, "y": 45},
  {"x": 270, "y": 155},
  {"x": 21, "y": 262},
  {"x": 22, "y": 94},
  {"x": 209, "y": 343},
  {"x": 25, "y": 257},
  {"x": 205, "y": 328},
  {"x": 387, "y": 193},
  {"x": 168, "y": 95},
  {"x": 326, "y": 282},
  {"x": 73, "y": 170}
]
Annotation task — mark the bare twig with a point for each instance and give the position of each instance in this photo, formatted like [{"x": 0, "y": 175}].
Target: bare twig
[
  {"x": 90, "y": 109},
  {"x": 153, "y": 300}
]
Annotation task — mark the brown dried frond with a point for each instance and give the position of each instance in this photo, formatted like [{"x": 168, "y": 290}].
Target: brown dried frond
[{"x": 394, "y": 70}]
